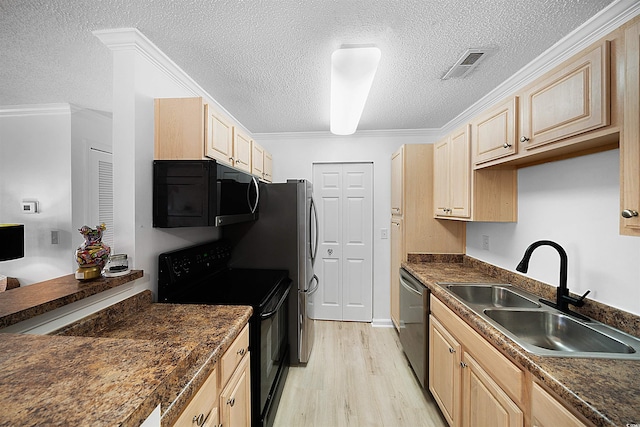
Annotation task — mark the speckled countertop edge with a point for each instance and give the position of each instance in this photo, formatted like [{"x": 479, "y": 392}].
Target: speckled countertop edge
[
  {"x": 30, "y": 301},
  {"x": 213, "y": 327},
  {"x": 602, "y": 390}
]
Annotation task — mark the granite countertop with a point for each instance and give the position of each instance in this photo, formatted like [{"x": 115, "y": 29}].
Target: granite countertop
[
  {"x": 30, "y": 301},
  {"x": 605, "y": 391},
  {"x": 116, "y": 366}
]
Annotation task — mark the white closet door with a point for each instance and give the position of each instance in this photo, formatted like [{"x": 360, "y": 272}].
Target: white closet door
[{"x": 344, "y": 193}]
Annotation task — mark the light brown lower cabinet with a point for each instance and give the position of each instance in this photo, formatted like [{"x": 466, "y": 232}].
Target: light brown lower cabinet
[
  {"x": 235, "y": 399},
  {"x": 546, "y": 411},
  {"x": 211, "y": 407},
  {"x": 202, "y": 411},
  {"x": 476, "y": 385},
  {"x": 484, "y": 403}
]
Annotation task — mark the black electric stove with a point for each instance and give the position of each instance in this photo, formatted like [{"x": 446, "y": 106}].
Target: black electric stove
[{"x": 199, "y": 275}]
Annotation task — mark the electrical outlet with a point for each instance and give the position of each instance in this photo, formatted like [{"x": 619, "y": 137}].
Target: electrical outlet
[
  {"x": 384, "y": 233},
  {"x": 485, "y": 242},
  {"x": 54, "y": 237}
]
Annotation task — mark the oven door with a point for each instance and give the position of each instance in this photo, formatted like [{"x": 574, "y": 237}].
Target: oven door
[{"x": 273, "y": 351}]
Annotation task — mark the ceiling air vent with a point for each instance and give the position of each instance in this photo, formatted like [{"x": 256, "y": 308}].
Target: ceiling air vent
[{"x": 467, "y": 62}]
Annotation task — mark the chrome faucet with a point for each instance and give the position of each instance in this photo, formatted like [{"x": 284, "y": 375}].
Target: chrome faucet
[{"x": 563, "y": 299}]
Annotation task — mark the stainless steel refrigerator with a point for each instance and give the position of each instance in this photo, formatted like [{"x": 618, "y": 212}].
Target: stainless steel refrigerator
[{"x": 284, "y": 237}]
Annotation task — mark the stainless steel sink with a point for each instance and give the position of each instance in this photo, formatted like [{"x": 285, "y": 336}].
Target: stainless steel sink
[
  {"x": 491, "y": 295},
  {"x": 556, "y": 331},
  {"x": 540, "y": 329}
]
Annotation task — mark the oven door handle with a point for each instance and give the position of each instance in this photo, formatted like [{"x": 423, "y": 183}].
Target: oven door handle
[{"x": 264, "y": 316}]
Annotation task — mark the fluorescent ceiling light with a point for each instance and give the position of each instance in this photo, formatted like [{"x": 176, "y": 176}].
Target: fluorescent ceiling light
[{"x": 352, "y": 72}]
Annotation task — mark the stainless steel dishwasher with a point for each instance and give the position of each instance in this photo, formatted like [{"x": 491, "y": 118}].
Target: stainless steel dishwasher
[{"x": 414, "y": 315}]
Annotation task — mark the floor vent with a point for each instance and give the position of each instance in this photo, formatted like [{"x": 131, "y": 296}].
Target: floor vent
[{"x": 467, "y": 62}]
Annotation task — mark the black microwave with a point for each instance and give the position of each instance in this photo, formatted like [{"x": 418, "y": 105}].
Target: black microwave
[{"x": 199, "y": 193}]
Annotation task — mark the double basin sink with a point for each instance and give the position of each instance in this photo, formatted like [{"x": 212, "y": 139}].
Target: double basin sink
[{"x": 540, "y": 329}]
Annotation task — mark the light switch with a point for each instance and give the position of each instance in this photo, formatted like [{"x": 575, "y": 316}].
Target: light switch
[{"x": 384, "y": 233}]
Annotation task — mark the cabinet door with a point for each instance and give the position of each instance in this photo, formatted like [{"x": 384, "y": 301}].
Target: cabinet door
[
  {"x": 202, "y": 411},
  {"x": 444, "y": 371},
  {"x": 397, "y": 255},
  {"x": 630, "y": 138},
  {"x": 548, "y": 412},
  {"x": 460, "y": 183},
  {"x": 219, "y": 139},
  {"x": 441, "y": 178},
  {"x": 257, "y": 160},
  {"x": 179, "y": 129},
  {"x": 493, "y": 134},
  {"x": 571, "y": 101},
  {"x": 241, "y": 150},
  {"x": 235, "y": 399},
  {"x": 268, "y": 167},
  {"x": 397, "y": 181},
  {"x": 483, "y": 401}
]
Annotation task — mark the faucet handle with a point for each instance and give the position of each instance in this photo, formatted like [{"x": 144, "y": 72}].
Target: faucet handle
[{"x": 580, "y": 301}]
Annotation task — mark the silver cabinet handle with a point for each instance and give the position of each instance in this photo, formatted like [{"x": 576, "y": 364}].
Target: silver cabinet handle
[
  {"x": 395, "y": 209},
  {"x": 462, "y": 364},
  {"x": 231, "y": 401},
  {"x": 524, "y": 139},
  {"x": 506, "y": 145},
  {"x": 241, "y": 352},
  {"x": 629, "y": 213},
  {"x": 451, "y": 350}
]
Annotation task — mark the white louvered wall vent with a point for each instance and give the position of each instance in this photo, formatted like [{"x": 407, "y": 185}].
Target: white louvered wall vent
[{"x": 467, "y": 62}]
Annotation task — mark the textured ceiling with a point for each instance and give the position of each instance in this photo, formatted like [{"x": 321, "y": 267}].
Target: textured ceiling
[{"x": 267, "y": 61}]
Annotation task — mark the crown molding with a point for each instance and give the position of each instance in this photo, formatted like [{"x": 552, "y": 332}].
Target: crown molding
[
  {"x": 125, "y": 39},
  {"x": 35, "y": 110},
  {"x": 429, "y": 135},
  {"x": 601, "y": 24}
]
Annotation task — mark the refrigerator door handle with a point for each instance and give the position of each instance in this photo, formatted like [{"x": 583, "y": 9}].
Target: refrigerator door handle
[
  {"x": 255, "y": 205},
  {"x": 313, "y": 246},
  {"x": 310, "y": 290}
]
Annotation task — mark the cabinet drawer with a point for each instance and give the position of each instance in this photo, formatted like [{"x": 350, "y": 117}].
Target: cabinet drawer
[
  {"x": 232, "y": 357},
  {"x": 203, "y": 405},
  {"x": 504, "y": 372}
]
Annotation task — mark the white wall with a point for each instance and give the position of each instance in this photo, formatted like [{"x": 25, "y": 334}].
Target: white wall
[
  {"x": 44, "y": 157},
  {"x": 294, "y": 155},
  {"x": 575, "y": 203},
  {"x": 35, "y": 164},
  {"x": 138, "y": 79}
]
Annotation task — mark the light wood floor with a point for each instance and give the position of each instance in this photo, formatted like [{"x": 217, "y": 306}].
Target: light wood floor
[{"x": 357, "y": 376}]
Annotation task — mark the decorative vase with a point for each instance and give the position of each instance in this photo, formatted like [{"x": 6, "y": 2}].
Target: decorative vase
[{"x": 92, "y": 254}]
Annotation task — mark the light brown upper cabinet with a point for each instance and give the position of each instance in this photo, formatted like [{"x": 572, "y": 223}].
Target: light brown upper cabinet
[
  {"x": 470, "y": 195},
  {"x": 268, "y": 167},
  {"x": 452, "y": 184},
  {"x": 179, "y": 129},
  {"x": 573, "y": 100},
  {"x": 219, "y": 142},
  {"x": 257, "y": 160},
  {"x": 241, "y": 150},
  {"x": 630, "y": 139},
  {"x": 494, "y": 133}
]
